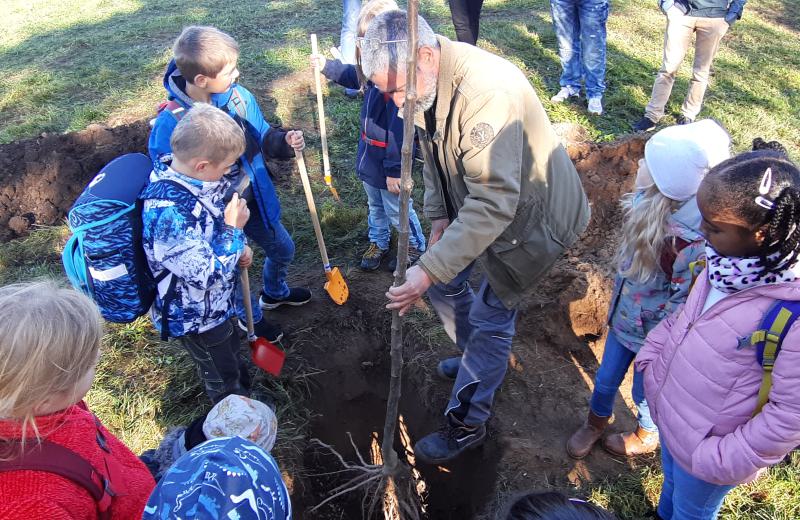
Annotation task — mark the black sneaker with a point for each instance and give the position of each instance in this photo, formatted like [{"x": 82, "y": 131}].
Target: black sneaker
[
  {"x": 297, "y": 296},
  {"x": 271, "y": 332},
  {"x": 645, "y": 124},
  {"x": 372, "y": 257},
  {"x": 449, "y": 442},
  {"x": 683, "y": 120},
  {"x": 413, "y": 256}
]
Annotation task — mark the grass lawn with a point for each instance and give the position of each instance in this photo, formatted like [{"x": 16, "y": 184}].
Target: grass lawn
[{"x": 68, "y": 63}]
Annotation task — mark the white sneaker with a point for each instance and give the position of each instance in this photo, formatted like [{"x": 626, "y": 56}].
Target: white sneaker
[
  {"x": 596, "y": 105},
  {"x": 564, "y": 93}
]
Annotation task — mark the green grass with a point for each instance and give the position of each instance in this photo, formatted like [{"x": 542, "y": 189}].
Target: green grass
[{"x": 66, "y": 64}]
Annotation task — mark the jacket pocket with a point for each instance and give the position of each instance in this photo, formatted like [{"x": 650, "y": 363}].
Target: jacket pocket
[{"x": 527, "y": 252}]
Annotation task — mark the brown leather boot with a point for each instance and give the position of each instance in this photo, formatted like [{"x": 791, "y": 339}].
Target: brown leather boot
[
  {"x": 633, "y": 443},
  {"x": 581, "y": 442}
]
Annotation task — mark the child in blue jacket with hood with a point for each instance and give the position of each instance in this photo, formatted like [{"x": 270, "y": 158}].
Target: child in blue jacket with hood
[
  {"x": 204, "y": 69},
  {"x": 378, "y": 157}
]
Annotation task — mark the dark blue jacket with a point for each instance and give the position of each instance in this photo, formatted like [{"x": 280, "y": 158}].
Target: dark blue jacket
[
  {"x": 261, "y": 138},
  {"x": 379, "y": 125}
]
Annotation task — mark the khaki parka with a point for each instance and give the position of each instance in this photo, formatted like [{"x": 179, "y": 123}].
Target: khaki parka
[{"x": 517, "y": 198}]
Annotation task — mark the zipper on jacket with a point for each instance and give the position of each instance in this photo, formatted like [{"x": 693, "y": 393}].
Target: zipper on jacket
[{"x": 689, "y": 329}]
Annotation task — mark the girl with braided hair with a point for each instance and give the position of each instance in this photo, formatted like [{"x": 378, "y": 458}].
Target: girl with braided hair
[{"x": 701, "y": 373}]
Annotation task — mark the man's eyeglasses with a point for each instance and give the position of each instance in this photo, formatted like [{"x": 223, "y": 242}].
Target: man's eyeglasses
[{"x": 374, "y": 43}]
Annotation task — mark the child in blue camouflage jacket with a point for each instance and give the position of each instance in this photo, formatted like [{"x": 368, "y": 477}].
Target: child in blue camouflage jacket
[{"x": 195, "y": 245}]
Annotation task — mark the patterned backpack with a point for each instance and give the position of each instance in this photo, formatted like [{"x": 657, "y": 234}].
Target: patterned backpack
[{"x": 104, "y": 257}]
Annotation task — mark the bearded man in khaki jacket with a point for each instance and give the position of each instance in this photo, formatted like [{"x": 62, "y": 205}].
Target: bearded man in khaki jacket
[{"x": 500, "y": 189}]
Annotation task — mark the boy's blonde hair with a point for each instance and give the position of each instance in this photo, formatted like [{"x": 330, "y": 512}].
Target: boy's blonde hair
[
  {"x": 49, "y": 340},
  {"x": 204, "y": 50},
  {"x": 207, "y": 132},
  {"x": 644, "y": 233}
]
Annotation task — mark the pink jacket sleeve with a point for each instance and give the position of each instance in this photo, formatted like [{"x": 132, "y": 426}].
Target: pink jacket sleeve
[{"x": 765, "y": 439}]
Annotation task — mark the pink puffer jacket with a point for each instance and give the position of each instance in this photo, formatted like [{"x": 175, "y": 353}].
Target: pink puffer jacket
[{"x": 702, "y": 390}]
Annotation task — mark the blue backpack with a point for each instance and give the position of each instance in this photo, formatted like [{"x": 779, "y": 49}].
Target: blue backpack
[{"x": 104, "y": 257}]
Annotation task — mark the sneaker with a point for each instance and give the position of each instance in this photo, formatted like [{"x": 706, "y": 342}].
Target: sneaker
[
  {"x": 447, "y": 369},
  {"x": 413, "y": 256},
  {"x": 595, "y": 105},
  {"x": 372, "y": 257},
  {"x": 297, "y": 296},
  {"x": 449, "y": 442},
  {"x": 645, "y": 124},
  {"x": 271, "y": 332},
  {"x": 683, "y": 120},
  {"x": 564, "y": 93}
]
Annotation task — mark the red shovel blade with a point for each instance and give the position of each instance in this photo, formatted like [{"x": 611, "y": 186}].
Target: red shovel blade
[{"x": 267, "y": 356}]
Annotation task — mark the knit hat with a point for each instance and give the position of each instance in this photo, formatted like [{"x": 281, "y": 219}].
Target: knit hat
[
  {"x": 240, "y": 416},
  {"x": 679, "y": 156},
  {"x": 228, "y": 477}
]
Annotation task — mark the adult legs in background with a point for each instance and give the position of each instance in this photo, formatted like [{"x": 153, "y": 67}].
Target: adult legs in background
[
  {"x": 466, "y": 19},
  {"x": 709, "y": 32}
]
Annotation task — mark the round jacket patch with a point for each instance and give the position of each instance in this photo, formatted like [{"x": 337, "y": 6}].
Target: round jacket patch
[{"x": 481, "y": 134}]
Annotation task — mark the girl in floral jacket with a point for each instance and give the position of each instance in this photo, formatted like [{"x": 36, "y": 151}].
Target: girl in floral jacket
[{"x": 661, "y": 240}]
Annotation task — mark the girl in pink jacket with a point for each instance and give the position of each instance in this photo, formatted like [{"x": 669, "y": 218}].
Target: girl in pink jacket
[{"x": 701, "y": 376}]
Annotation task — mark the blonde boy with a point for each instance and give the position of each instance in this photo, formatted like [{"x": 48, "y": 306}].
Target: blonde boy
[{"x": 195, "y": 244}]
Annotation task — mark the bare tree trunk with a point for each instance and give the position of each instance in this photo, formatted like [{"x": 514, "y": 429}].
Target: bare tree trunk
[{"x": 393, "y": 403}]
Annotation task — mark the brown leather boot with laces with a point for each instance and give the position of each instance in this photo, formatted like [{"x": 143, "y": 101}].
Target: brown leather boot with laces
[
  {"x": 629, "y": 444},
  {"x": 581, "y": 442}
]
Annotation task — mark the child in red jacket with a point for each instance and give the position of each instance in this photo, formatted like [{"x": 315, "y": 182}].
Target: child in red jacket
[{"x": 49, "y": 346}]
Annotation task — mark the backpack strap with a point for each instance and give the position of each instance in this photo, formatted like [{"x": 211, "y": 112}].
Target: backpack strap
[
  {"x": 54, "y": 458},
  {"x": 238, "y": 104},
  {"x": 173, "y": 107},
  {"x": 768, "y": 339}
]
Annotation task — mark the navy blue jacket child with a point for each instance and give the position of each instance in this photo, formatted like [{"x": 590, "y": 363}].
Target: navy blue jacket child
[
  {"x": 261, "y": 139},
  {"x": 381, "y": 130}
]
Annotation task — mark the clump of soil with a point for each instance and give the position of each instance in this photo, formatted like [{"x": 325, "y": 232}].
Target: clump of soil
[{"x": 40, "y": 178}]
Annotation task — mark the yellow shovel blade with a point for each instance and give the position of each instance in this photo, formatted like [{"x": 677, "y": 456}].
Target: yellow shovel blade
[{"x": 336, "y": 286}]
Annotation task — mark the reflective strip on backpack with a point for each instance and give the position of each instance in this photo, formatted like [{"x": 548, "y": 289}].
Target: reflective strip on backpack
[{"x": 107, "y": 275}]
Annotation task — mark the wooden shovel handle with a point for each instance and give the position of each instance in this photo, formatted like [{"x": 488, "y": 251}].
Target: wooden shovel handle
[
  {"x": 248, "y": 305},
  {"x": 312, "y": 208},
  {"x": 326, "y": 164}
]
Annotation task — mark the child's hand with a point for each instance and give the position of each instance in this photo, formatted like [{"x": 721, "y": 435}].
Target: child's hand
[
  {"x": 236, "y": 212},
  {"x": 295, "y": 139},
  {"x": 246, "y": 260},
  {"x": 317, "y": 60},
  {"x": 393, "y": 185}
]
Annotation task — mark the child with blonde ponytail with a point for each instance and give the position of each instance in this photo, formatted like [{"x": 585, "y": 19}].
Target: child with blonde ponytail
[
  {"x": 49, "y": 347},
  {"x": 660, "y": 240}
]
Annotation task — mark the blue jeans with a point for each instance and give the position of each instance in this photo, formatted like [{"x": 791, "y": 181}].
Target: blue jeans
[
  {"x": 279, "y": 250},
  {"x": 684, "y": 497},
  {"x": 384, "y": 208},
  {"x": 580, "y": 27},
  {"x": 347, "y": 41},
  {"x": 482, "y": 328},
  {"x": 613, "y": 367}
]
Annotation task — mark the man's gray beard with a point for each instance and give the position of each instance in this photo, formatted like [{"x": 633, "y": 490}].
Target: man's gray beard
[{"x": 426, "y": 99}]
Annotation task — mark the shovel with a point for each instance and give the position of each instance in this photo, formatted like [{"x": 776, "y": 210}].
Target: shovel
[
  {"x": 335, "y": 286},
  {"x": 266, "y": 355},
  {"x": 326, "y": 163}
]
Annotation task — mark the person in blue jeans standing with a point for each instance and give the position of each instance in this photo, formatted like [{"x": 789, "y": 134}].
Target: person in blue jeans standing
[
  {"x": 347, "y": 40},
  {"x": 580, "y": 27},
  {"x": 660, "y": 241}
]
